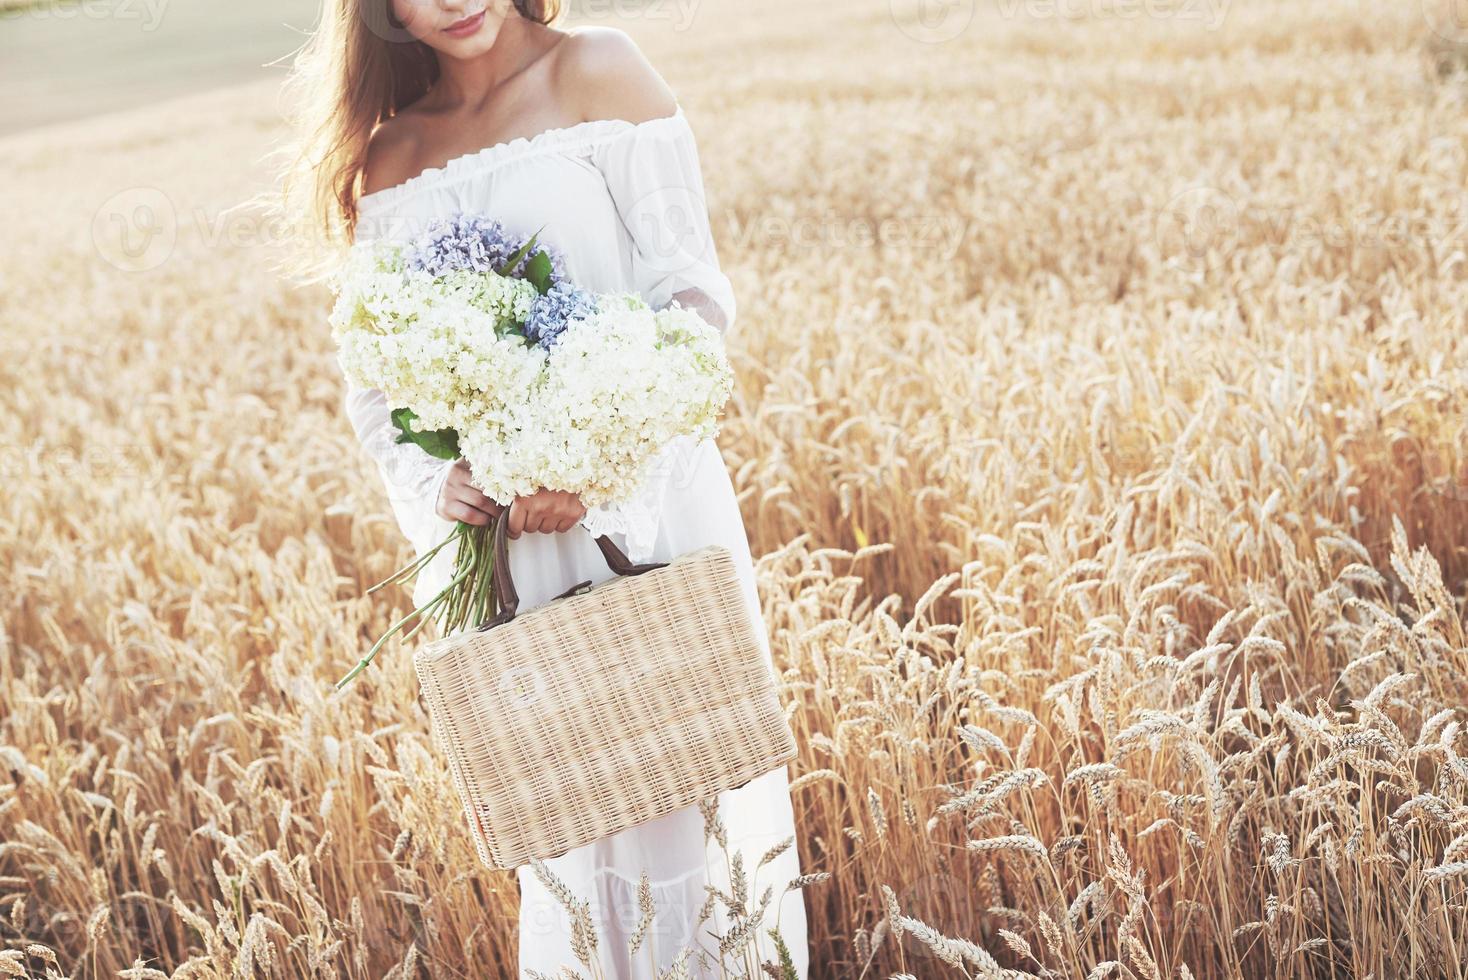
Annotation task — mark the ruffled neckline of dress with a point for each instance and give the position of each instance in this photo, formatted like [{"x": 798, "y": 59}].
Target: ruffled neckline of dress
[{"x": 562, "y": 139}]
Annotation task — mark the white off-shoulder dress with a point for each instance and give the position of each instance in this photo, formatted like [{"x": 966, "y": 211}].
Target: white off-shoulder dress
[{"x": 623, "y": 203}]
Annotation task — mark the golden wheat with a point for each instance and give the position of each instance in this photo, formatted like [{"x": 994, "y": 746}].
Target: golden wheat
[{"x": 1100, "y": 420}]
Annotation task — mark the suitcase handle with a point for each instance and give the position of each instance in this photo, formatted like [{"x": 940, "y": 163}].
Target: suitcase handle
[{"x": 508, "y": 600}]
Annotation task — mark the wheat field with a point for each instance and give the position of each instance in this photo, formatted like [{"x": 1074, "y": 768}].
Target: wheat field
[{"x": 1100, "y": 422}]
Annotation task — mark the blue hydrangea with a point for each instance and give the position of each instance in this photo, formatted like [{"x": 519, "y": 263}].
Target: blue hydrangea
[
  {"x": 471, "y": 243},
  {"x": 462, "y": 243},
  {"x": 552, "y": 313}
]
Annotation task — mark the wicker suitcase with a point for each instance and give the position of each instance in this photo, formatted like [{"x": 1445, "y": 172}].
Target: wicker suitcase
[{"x": 604, "y": 708}]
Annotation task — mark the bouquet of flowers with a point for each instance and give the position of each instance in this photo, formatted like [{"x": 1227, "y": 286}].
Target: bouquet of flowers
[{"x": 485, "y": 350}]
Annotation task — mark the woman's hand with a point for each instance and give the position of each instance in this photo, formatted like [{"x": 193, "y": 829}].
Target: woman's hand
[
  {"x": 459, "y": 500},
  {"x": 545, "y": 511}
]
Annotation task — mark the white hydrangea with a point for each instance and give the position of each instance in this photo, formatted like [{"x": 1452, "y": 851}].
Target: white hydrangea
[{"x": 588, "y": 416}]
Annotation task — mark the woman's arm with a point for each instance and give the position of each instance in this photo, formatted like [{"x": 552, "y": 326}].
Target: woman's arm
[
  {"x": 654, "y": 176},
  {"x": 652, "y": 172},
  {"x": 417, "y": 483},
  {"x": 412, "y": 478}
]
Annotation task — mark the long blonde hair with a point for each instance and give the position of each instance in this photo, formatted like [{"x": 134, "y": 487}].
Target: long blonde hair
[{"x": 359, "y": 68}]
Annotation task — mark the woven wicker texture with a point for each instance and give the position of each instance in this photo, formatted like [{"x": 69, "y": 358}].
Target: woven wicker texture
[{"x": 603, "y": 710}]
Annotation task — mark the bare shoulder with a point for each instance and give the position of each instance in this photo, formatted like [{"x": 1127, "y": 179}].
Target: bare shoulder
[
  {"x": 604, "y": 75},
  {"x": 391, "y": 153}
]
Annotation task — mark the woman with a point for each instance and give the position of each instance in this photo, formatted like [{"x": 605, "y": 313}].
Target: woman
[{"x": 428, "y": 108}]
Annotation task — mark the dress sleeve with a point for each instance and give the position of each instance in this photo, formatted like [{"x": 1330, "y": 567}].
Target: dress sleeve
[
  {"x": 653, "y": 173},
  {"x": 410, "y": 475}
]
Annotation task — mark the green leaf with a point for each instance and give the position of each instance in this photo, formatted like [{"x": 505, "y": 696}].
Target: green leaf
[
  {"x": 440, "y": 443},
  {"x": 519, "y": 254},
  {"x": 538, "y": 272}
]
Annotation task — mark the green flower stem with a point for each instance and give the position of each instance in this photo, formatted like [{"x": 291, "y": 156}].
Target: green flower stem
[
  {"x": 476, "y": 557},
  {"x": 412, "y": 569},
  {"x": 423, "y": 610},
  {"x": 484, "y": 591},
  {"x": 467, "y": 598},
  {"x": 466, "y": 564}
]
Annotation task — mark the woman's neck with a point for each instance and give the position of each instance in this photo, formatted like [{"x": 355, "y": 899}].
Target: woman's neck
[{"x": 471, "y": 83}]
